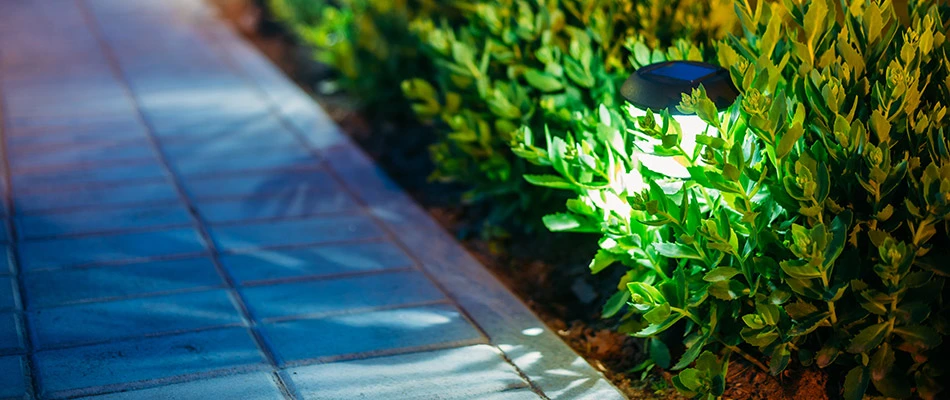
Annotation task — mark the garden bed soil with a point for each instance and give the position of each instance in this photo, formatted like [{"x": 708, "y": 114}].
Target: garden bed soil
[{"x": 557, "y": 286}]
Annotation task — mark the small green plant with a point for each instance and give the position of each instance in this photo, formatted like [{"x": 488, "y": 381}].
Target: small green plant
[
  {"x": 366, "y": 41},
  {"x": 811, "y": 225},
  {"x": 515, "y": 63}
]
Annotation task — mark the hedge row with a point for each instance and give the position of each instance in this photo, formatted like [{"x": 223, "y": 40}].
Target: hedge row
[{"x": 807, "y": 223}]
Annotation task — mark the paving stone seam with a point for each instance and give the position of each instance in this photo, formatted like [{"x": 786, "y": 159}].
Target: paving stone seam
[
  {"x": 324, "y": 277},
  {"x": 80, "y": 165},
  {"x": 384, "y": 353},
  {"x": 156, "y": 228},
  {"x": 181, "y": 256},
  {"x": 61, "y": 187},
  {"x": 124, "y": 261},
  {"x": 95, "y": 300},
  {"x": 66, "y": 188},
  {"x": 101, "y": 232},
  {"x": 152, "y": 383},
  {"x": 198, "y": 289},
  {"x": 94, "y": 207},
  {"x": 121, "y": 262},
  {"x": 106, "y": 47},
  {"x": 352, "y": 311},
  {"x": 278, "y": 113},
  {"x": 13, "y": 252},
  {"x": 133, "y": 338}
]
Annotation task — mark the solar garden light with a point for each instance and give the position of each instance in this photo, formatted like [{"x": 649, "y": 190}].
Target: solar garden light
[{"x": 661, "y": 86}]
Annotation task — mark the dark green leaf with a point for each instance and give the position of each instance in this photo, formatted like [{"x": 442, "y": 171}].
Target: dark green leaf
[
  {"x": 919, "y": 336},
  {"x": 780, "y": 358},
  {"x": 676, "y": 250},
  {"x": 856, "y": 383},
  {"x": 615, "y": 303},
  {"x": 720, "y": 274},
  {"x": 660, "y": 353},
  {"x": 868, "y": 338},
  {"x": 550, "y": 181},
  {"x": 543, "y": 81}
]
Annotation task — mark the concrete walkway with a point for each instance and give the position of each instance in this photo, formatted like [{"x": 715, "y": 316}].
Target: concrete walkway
[{"x": 180, "y": 221}]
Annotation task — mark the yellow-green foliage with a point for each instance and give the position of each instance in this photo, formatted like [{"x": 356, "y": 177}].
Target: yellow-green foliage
[
  {"x": 514, "y": 63},
  {"x": 812, "y": 224},
  {"x": 366, "y": 41}
]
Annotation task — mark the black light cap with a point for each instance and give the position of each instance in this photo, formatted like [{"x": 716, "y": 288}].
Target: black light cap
[{"x": 661, "y": 86}]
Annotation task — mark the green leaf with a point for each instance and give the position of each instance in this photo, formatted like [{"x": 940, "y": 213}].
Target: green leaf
[
  {"x": 543, "y": 81},
  {"x": 615, "y": 303},
  {"x": 602, "y": 260},
  {"x": 800, "y": 269},
  {"x": 720, "y": 274},
  {"x": 691, "y": 353},
  {"x": 856, "y": 383},
  {"x": 808, "y": 324},
  {"x": 727, "y": 290},
  {"x": 826, "y": 355},
  {"x": 868, "y": 338},
  {"x": 788, "y": 140},
  {"x": 676, "y": 250},
  {"x": 562, "y": 222},
  {"x": 919, "y": 336},
  {"x": 550, "y": 181},
  {"x": 780, "y": 357},
  {"x": 688, "y": 382},
  {"x": 657, "y": 315},
  {"x": 659, "y": 353},
  {"x": 881, "y": 362}
]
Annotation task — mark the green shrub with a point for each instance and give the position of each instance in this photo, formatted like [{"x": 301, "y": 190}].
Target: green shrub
[
  {"x": 366, "y": 41},
  {"x": 812, "y": 224},
  {"x": 514, "y": 63}
]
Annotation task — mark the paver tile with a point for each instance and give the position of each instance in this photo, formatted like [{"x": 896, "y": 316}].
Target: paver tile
[
  {"x": 298, "y": 185},
  {"x": 101, "y": 197},
  {"x": 100, "y": 322},
  {"x": 57, "y": 287},
  {"x": 473, "y": 372},
  {"x": 252, "y": 386},
  {"x": 103, "y": 220},
  {"x": 264, "y": 265},
  {"x": 267, "y": 132},
  {"x": 84, "y": 154},
  {"x": 10, "y": 339},
  {"x": 68, "y": 176},
  {"x": 290, "y": 157},
  {"x": 275, "y": 207},
  {"x": 297, "y": 232},
  {"x": 7, "y": 294},
  {"x": 146, "y": 359},
  {"x": 54, "y": 253},
  {"x": 336, "y": 295},
  {"x": 73, "y": 131},
  {"x": 368, "y": 332},
  {"x": 13, "y": 379}
]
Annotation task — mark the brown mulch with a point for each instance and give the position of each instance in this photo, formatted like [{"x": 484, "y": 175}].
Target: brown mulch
[{"x": 548, "y": 285}]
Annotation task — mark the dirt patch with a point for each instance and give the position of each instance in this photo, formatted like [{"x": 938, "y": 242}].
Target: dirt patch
[{"x": 555, "y": 283}]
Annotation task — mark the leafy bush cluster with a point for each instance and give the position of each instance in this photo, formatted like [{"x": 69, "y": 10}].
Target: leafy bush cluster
[
  {"x": 514, "y": 63},
  {"x": 810, "y": 219},
  {"x": 806, "y": 224},
  {"x": 498, "y": 66},
  {"x": 365, "y": 41}
]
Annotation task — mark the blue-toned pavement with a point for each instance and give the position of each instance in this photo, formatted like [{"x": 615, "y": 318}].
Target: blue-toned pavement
[{"x": 179, "y": 221}]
